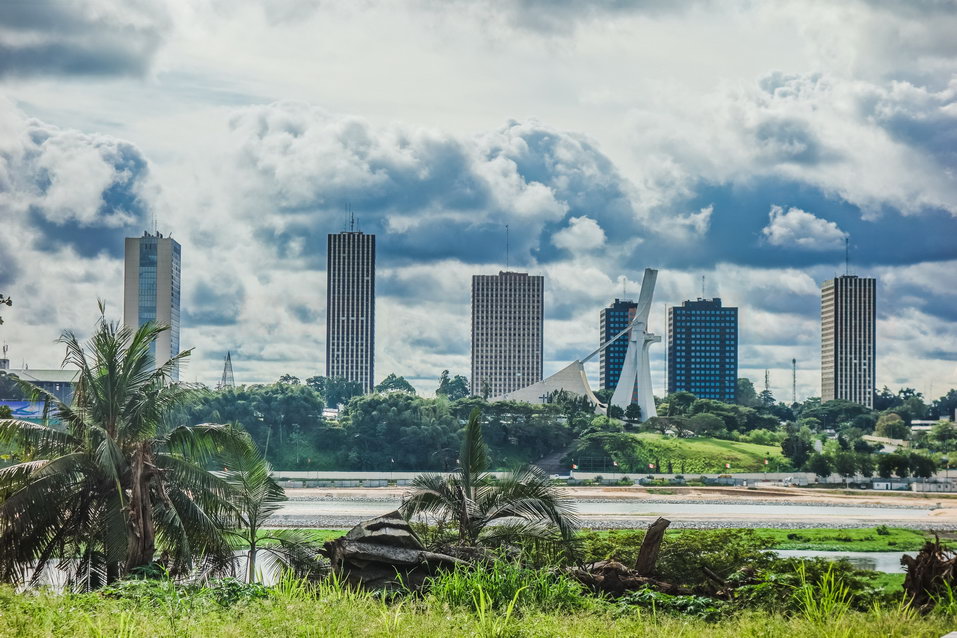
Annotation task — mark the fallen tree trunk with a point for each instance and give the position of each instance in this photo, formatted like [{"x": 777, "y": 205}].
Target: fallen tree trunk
[
  {"x": 615, "y": 579},
  {"x": 648, "y": 553}
]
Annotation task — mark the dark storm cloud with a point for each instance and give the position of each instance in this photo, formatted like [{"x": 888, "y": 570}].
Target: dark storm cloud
[{"x": 82, "y": 38}]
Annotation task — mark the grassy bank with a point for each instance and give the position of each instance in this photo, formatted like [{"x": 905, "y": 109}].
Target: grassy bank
[
  {"x": 869, "y": 539},
  {"x": 863, "y": 539},
  {"x": 701, "y": 454},
  {"x": 294, "y": 612}
]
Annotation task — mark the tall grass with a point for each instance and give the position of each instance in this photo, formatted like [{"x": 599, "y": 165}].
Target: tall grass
[
  {"x": 826, "y": 601},
  {"x": 503, "y": 584}
]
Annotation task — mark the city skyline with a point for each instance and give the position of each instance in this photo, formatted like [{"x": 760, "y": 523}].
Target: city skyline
[{"x": 594, "y": 131}]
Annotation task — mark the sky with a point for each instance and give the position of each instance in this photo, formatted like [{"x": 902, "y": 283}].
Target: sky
[{"x": 732, "y": 145}]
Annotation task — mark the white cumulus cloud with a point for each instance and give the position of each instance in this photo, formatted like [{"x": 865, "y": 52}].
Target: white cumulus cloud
[
  {"x": 582, "y": 233},
  {"x": 801, "y": 229}
]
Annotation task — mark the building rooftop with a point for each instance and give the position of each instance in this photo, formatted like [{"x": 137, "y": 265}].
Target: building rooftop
[{"x": 46, "y": 376}]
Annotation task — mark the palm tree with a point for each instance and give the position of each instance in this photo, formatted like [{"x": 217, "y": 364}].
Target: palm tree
[
  {"x": 256, "y": 497},
  {"x": 101, "y": 492},
  {"x": 524, "y": 502}
]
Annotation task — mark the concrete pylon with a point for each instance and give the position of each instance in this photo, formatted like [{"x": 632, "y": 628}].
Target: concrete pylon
[{"x": 636, "y": 368}]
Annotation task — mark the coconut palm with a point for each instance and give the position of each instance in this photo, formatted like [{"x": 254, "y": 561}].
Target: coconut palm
[
  {"x": 103, "y": 491},
  {"x": 524, "y": 502},
  {"x": 256, "y": 497}
]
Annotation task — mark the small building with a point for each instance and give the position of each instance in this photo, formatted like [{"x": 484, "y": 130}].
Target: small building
[
  {"x": 934, "y": 486},
  {"x": 59, "y": 383},
  {"x": 889, "y": 485}
]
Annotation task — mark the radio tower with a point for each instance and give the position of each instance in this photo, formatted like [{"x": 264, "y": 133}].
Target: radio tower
[
  {"x": 767, "y": 380},
  {"x": 227, "y": 381}
]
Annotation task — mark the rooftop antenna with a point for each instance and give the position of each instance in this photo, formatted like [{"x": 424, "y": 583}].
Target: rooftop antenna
[
  {"x": 506, "y": 248},
  {"x": 624, "y": 282},
  {"x": 847, "y": 256},
  {"x": 794, "y": 381},
  {"x": 702, "y": 286}
]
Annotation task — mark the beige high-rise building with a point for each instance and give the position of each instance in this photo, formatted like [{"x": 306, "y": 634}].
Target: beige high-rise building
[
  {"x": 151, "y": 290},
  {"x": 507, "y": 328},
  {"x": 848, "y": 342}
]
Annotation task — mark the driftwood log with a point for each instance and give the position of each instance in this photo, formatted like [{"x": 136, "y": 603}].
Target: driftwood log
[
  {"x": 384, "y": 554},
  {"x": 650, "y": 544},
  {"x": 615, "y": 579},
  {"x": 929, "y": 573}
]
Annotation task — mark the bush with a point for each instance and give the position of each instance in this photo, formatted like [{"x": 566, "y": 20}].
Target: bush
[
  {"x": 780, "y": 584},
  {"x": 698, "y": 606},
  {"x": 502, "y": 582}
]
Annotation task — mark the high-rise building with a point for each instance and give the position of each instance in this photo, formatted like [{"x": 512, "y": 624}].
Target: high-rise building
[
  {"x": 848, "y": 343},
  {"x": 151, "y": 290},
  {"x": 703, "y": 349},
  {"x": 614, "y": 319},
  {"x": 350, "y": 307},
  {"x": 507, "y": 326}
]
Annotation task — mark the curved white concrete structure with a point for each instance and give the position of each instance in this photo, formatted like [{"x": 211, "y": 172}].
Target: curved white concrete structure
[{"x": 636, "y": 369}]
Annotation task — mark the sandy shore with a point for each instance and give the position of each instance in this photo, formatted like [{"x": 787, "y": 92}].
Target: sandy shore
[{"x": 633, "y": 507}]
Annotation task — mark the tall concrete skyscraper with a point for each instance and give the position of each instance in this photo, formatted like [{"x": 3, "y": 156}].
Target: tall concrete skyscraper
[
  {"x": 848, "y": 343},
  {"x": 151, "y": 290},
  {"x": 703, "y": 349},
  {"x": 613, "y": 320},
  {"x": 507, "y": 326},
  {"x": 350, "y": 307}
]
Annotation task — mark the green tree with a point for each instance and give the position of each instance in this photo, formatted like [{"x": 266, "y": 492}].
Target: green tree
[
  {"x": 5, "y": 301},
  {"x": 886, "y": 400},
  {"x": 820, "y": 464},
  {"x": 946, "y": 406},
  {"x": 892, "y": 426},
  {"x": 615, "y": 412},
  {"x": 885, "y": 465},
  {"x": 921, "y": 465},
  {"x": 745, "y": 393},
  {"x": 943, "y": 434},
  {"x": 706, "y": 424},
  {"x": 865, "y": 465},
  {"x": 523, "y": 503},
  {"x": 452, "y": 388},
  {"x": 288, "y": 378},
  {"x": 115, "y": 481},
  {"x": 338, "y": 391},
  {"x": 395, "y": 383},
  {"x": 679, "y": 403},
  {"x": 486, "y": 389},
  {"x": 846, "y": 465},
  {"x": 633, "y": 412}
]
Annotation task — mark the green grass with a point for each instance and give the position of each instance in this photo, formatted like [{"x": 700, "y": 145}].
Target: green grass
[
  {"x": 702, "y": 455},
  {"x": 297, "y": 611},
  {"x": 854, "y": 540}
]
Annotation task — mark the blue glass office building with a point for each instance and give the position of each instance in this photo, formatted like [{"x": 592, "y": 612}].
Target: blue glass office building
[
  {"x": 152, "y": 290},
  {"x": 703, "y": 349},
  {"x": 614, "y": 319}
]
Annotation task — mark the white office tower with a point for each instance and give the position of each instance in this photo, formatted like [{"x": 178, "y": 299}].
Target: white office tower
[{"x": 848, "y": 328}]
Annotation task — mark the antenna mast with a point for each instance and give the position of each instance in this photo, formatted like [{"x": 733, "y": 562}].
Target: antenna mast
[
  {"x": 847, "y": 256},
  {"x": 702, "y": 286},
  {"x": 506, "y": 248},
  {"x": 794, "y": 381},
  {"x": 767, "y": 380}
]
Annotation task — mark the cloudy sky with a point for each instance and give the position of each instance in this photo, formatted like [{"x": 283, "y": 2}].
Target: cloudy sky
[{"x": 736, "y": 141}]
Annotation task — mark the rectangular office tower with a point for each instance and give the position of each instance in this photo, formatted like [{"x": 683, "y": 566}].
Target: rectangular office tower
[
  {"x": 614, "y": 319},
  {"x": 703, "y": 349},
  {"x": 507, "y": 326},
  {"x": 151, "y": 289},
  {"x": 350, "y": 307},
  {"x": 848, "y": 351}
]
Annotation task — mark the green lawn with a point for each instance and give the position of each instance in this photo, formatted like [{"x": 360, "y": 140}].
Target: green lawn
[{"x": 702, "y": 455}]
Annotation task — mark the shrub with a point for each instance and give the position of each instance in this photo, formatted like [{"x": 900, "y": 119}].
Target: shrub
[
  {"x": 698, "y": 606},
  {"x": 882, "y": 530},
  {"x": 504, "y": 583}
]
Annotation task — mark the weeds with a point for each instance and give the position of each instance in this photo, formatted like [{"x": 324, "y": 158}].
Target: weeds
[
  {"x": 826, "y": 601},
  {"x": 491, "y": 623},
  {"x": 503, "y": 582}
]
